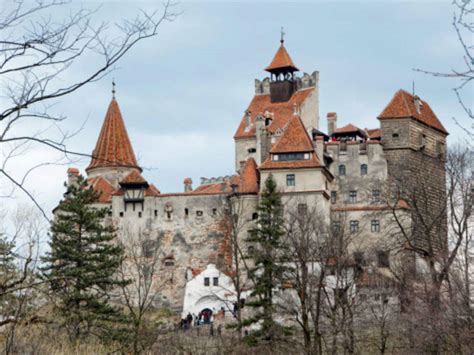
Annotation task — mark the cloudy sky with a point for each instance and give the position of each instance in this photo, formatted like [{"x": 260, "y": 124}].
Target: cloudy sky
[{"x": 183, "y": 93}]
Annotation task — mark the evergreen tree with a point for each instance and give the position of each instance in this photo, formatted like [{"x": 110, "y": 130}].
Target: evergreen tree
[
  {"x": 82, "y": 264},
  {"x": 269, "y": 267}
]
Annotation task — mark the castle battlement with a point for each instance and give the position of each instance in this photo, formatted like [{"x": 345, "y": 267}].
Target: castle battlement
[{"x": 262, "y": 87}]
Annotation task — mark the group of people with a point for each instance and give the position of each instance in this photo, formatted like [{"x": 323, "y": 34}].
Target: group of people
[{"x": 204, "y": 317}]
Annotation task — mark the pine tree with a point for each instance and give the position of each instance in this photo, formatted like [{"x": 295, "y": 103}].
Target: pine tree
[
  {"x": 269, "y": 267},
  {"x": 81, "y": 265}
]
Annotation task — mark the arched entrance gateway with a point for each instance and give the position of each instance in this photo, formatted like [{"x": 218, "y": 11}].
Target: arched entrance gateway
[{"x": 208, "y": 289}]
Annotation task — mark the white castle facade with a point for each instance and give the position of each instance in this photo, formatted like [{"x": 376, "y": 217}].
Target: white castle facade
[{"x": 342, "y": 170}]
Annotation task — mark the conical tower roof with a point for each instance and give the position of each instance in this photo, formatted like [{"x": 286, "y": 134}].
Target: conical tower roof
[
  {"x": 113, "y": 148},
  {"x": 281, "y": 61}
]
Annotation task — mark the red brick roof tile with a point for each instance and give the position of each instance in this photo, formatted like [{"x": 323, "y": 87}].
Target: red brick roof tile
[
  {"x": 134, "y": 178},
  {"x": 102, "y": 187},
  {"x": 282, "y": 111},
  {"x": 113, "y": 147},
  {"x": 375, "y": 133},
  {"x": 403, "y": 105},
  {"x": 249, "y": 177},
  {"x": 281, "y": 60},
  {"x": 348, "y": 128},
  {"x": 295, "y": 138}
]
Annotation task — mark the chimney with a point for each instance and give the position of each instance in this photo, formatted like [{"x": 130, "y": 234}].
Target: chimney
[
  {"x": 72, "y": 176},
  {"x": 332, "y": 122},
  {"x": 188, "y": 185},
  {"x": 320, "y": 148}
]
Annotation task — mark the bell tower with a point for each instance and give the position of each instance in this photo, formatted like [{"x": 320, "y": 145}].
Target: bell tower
[{"x": 282, "y": 78}]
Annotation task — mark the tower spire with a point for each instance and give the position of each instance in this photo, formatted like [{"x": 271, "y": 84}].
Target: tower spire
[{"x": 282, "y": 35}]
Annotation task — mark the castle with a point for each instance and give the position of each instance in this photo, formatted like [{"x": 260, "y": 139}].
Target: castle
[{"x": 343, "y": 170}]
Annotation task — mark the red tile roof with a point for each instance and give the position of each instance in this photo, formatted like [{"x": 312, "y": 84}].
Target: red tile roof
[
  {"x": 294, "y": 139},
  {"x": 281, "y": 60},
  {"x": 403, "y": 105},
  {"x": 313, "y": 162},
  {"x": 249, "y": 177},
  {"x": 152, "y": 191},
  {"x": 102, "y": 187},
  {"x": 375, "y": 133},
  {"x": 348, "y": 128},
  {"x": 113, "y": 147},
  {"x": 134, "y": 178},
  {"x": 282, "y": 111}
]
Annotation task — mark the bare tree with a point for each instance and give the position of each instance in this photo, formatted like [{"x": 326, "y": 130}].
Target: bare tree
[
  {"x": 141, "y": 295},
  {"x": 464, "y": 28},
  {"x": 40, "y": 57},
  {"x": 19, "y": 249}
]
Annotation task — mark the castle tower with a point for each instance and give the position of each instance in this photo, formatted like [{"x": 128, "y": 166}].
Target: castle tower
[
  {"x": 113, "y": 157},
  {"x": 282, "y": 79},
  {"x": 414, "y": 144}
]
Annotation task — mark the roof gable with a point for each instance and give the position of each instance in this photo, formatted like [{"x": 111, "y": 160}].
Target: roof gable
[
  {"x": 294, "y": 138},
  {"x": 403, "y": 105}
]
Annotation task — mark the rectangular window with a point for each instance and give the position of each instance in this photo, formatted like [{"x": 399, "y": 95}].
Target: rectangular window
[
  {"x": 291, "y": 156},
  {"x": 206, "y": 281},
  {"x": 215, "y": 281},
  {"x": 382, "y": 257},
  {"x": 199, "y": 213},
  {"x": 375, "y": 196},
  {"x": 352, "y": 196},
  {"x": 375, "y": 226},
  {"x": 290, "y": 180},
  {"x": 336, "y": 226},
  {"x": 156, "y": 213},
  {"x": 139, "y": 214},
  {"x": 354, "y": 226},
  {"x": 333, "y": 197},
  {"x": 302, "y": 208}
]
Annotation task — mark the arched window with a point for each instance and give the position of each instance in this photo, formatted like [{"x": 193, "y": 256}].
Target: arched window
[
  {"x": 342, "y": 170},
  {"x": 363, "y": 169}
]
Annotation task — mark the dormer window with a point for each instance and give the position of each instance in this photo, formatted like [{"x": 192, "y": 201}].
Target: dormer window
[{"x": 291, "y": 156}]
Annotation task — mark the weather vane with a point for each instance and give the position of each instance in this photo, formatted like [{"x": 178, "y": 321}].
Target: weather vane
[
  {"x": 282, "y": 35},
  {"x": 113, "y": 88}
]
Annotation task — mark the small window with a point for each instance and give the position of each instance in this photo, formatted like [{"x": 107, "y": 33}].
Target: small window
[
  {"x": 290, "y": 180},
  {"x": 168, "y": 214},
  {"x": 169, "y": 262},
  {"x": 252, "y": 150},
  {"x": 156, "y": 213},
  {"x": 121, "y": 214},
  {"x": 352, "y": 196},
  {"x": 375, "y": 196},
  {"x": 354, "y": 226},
  {"x": 342, "y": 170},
  {"x": 395, "y": 135},
  {"x": 333, "y": 196},
  {"x": 215, "y": 281},
  {"x": 363, "y": 169},
  {"x": 254, "y": 216},
  {"x": 250, "y": 250},
  {"x": 214, "y": 211},
  {"x": 382, "y": 258},
  {"x": 336, "y": 226},
  {"x": 139, "y": 214},
  {"x": 186, "y": 212},
  {"x": 109, "y": 213},
  {"x": 375, "y": 226},
  {"x": 207, "y": 281},
  {"x": 199, "y": 213},
  {"x": 359, "y": 258},
  {"x": 302, "y": 208}
]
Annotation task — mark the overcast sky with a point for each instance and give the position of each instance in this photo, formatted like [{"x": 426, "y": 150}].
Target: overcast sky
[{"x": 183, "y": 93}]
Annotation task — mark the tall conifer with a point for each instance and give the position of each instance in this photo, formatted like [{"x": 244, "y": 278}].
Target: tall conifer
[
  {"x": 268, "y": 269},
  {"x": 82, "y": 263}
]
